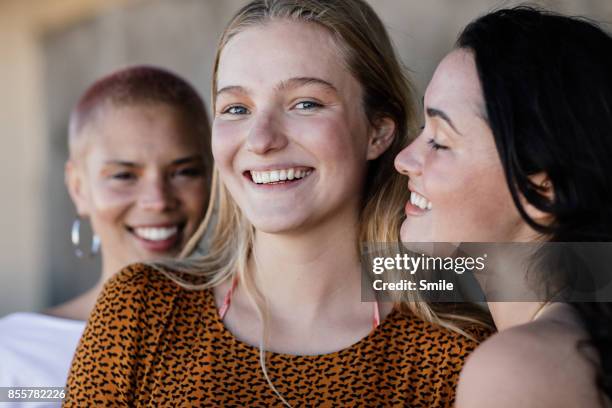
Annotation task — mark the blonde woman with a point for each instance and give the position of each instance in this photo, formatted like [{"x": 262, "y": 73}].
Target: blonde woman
[{"x": 311, "y": 107}]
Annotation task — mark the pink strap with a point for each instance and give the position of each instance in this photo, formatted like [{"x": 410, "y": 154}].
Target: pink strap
[
  {"x": 227, "y": 300},
  {"x": 376, "y": 321}
]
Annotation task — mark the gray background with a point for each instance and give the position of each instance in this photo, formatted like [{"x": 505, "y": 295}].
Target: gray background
[{"x": 50, "y": 50}]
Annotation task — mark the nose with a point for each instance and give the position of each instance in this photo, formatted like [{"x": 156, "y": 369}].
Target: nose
[
  {"x": 157, "y": 195},
  {"x": 266, "y": 133},
  {"x": 409, "y": 161}
]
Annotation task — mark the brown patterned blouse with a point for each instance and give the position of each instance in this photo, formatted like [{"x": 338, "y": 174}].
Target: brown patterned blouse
[{"x": 149, "y": 342}]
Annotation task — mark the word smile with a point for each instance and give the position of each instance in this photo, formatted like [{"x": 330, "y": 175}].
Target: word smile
[{"x": 423, "y": 284}]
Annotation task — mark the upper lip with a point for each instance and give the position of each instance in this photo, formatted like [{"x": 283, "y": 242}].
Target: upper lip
[
  {"x": 158, "y": 225},
  {"x": 412, "y": 189},
  {"x": 280, "y": 166}
]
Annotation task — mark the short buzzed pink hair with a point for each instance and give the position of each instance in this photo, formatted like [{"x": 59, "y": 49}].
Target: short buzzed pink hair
[{"x": 142, "y": 86}]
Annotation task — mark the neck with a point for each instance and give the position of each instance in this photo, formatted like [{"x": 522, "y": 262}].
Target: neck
[
  {"x": 511, "y": 314},
  {"x": 80, "y": 307},
  {"x": 110, "y": 266},
  {"x": 509, "y": 282},
  {"x": 308, "y": 272}
]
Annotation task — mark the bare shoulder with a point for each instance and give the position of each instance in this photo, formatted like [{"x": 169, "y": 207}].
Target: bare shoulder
[{"x": 539, "y": 364}]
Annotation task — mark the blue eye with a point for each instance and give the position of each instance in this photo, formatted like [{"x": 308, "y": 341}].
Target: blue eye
[
  {"x": 236, "y": 110},
  {"x": 307, "y": 105},
  {"x": 436, "y": 146}
]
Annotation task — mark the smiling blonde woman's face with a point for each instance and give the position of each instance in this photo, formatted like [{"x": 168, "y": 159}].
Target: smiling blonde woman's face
[
  {"x": 456, "y": 181},
  {"x": 290, "y": 136}
]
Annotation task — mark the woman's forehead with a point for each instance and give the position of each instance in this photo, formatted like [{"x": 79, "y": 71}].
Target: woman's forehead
[
  {"x": 455, "y": 86},
  {"x": 266, "y": 55}
]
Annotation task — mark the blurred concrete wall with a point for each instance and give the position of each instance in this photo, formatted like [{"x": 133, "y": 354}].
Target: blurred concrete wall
[
  {"x": 24, "y": 272},
  {"x": 50, "y": 50},
  {"x": 180, "y": 35}
]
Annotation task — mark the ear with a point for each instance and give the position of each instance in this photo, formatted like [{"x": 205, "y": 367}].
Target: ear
[
  {"x": 546, "y": 189},
  {"x": 73, "y": 177},
  {"x": 381, "y": 137}
]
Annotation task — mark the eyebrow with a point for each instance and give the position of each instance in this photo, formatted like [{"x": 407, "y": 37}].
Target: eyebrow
[
  {"x": 121, "y": 163},
  {"x": 182, "y": 160},
  {"x": 232, "y": 89},
  {"x": 437, "y": 113},
  {"x": 290, "y": 83},
  {"x": 188, "y": 159},
  {"x": 303, "y": 81}
]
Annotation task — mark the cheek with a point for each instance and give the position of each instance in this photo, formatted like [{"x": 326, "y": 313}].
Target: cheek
[
  {"x": 108, "y": 206},
  {"x": 484, "y": 183},
  {"x": 444, "y": 177},
  {"x": 469, "y": 191},
  {"x": 225, "y": 142},
  {"x": 194, "y": 197},
  {"x": 334, "y": 142}
]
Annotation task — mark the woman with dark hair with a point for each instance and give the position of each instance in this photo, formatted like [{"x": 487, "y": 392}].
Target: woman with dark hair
[{"x": 516, "y": 147}]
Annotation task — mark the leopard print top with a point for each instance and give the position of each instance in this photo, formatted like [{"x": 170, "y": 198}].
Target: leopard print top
[{"x": 150, "y": 342}]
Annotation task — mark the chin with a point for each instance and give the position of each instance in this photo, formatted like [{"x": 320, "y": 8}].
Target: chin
[
  {"x": 403, "y": 232},
  {"x": 280, "y": 224},
  {"x": 408, "y": 233},
  {"x": 271, "y": 227},
  {"x": 275, "y": 222}
]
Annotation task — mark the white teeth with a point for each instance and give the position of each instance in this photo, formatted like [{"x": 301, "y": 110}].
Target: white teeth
[
  {"x": 273, "y": 176},
  {"x": 156, "y": 234},
  {"x": 418, "y": 200}
]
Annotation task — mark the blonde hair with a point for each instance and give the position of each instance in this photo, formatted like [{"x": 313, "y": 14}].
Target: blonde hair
[{"x": 220, "y": 250}]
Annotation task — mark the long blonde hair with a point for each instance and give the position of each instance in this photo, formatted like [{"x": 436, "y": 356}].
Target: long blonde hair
[{"x": 220, "y": 249}]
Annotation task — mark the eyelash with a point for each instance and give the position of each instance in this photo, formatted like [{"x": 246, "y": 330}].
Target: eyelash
[
  {"x": 314, "y": 105},
  {"x": 229, "y": 108},
  {"x": 191, "y": 172},
  {"x": 436, "y": 146},
  {"x": 123, "y": 176},
  {"x": 188, "y": 172}
]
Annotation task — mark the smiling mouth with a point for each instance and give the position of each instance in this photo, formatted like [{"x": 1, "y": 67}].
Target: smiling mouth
[
  {"x": 167, "y": 234},
  {"x": 279, "y": 176},
  {"x": 419, "y": 201},
  {"x": 418, "y": 205}
]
